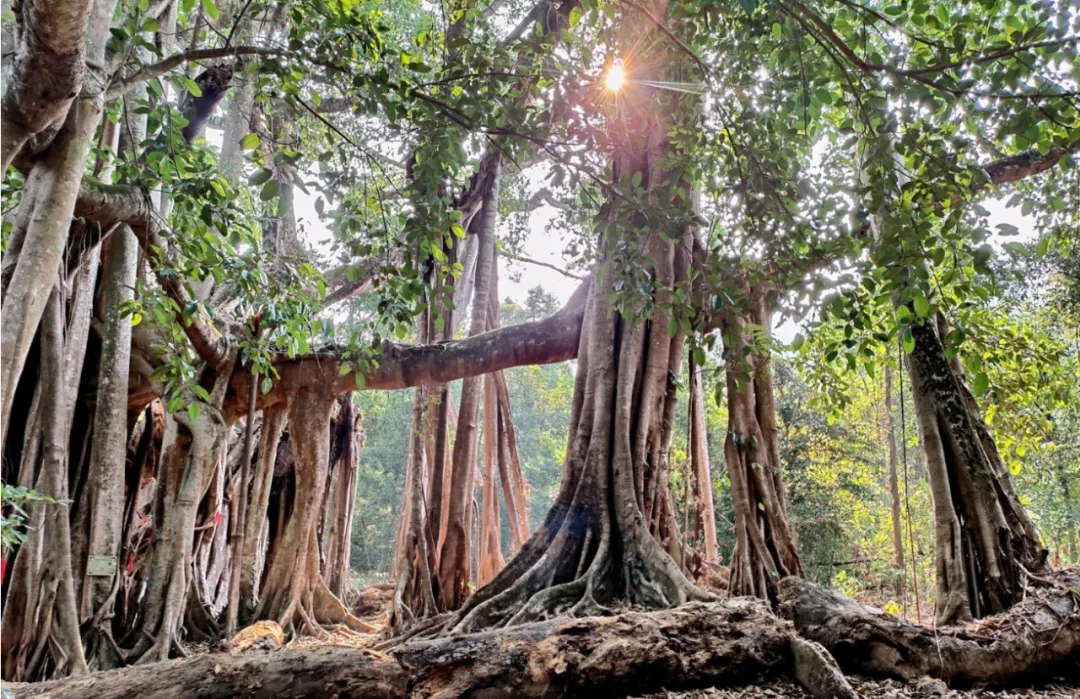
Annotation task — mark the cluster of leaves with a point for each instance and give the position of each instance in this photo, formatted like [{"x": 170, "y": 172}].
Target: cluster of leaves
[{"x": 15, "y": 499}]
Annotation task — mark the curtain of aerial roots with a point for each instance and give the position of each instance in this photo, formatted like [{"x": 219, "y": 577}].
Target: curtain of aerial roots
[
  {"x": 985, "y": 543},
  {"x": 454, "y": 552},
  {"x": 293, "y": 592},
  {"x": 764, "y": 544},
  {"x": 348, "y": 442}
]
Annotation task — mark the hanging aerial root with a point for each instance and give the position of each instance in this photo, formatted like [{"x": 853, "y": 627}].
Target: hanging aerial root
[{"x": 1037, "y": 637}]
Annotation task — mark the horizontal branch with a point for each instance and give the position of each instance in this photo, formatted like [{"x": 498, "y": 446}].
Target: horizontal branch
[{"x": 548, "y": 341}]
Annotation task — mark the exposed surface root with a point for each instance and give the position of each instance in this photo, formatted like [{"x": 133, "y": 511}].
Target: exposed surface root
[{"x": 1040, "y": 635}]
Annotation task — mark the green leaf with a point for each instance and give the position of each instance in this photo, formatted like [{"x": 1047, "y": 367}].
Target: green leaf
[
  {"x": 636, "y": 179},
  {"x": 136, "y": 318},
  {"x": 980, "y": 384},
  {"x": 250, "y": 142},
  {"x": 270, "y": 190},
  {"x": 575, "y": 16},
  {"x": 798, "y": 342},
  {"x": 922, "y": 306},
  {"x": 360, "y": 381},
  {"x": 777, "y": 31},
  {"x": 261, "y": 175},
  {"x": 192, "y": 87},
  {"x": 903, "y": 315},
  {"x": 193, "y": 410},
  {"x": 267, "y": 384},
  {"x": 982, "y": 254},
  {"x": 150, "y": 25},
  {"x": 345, "y": 368},
  {"x": 210, "y": 8},
  {"x": 909, "y": 341}
]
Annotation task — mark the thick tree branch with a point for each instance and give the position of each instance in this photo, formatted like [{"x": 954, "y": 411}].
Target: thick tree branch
[
  {"x": 548, "y": 341},
  {"x": 46, "y": 73}
]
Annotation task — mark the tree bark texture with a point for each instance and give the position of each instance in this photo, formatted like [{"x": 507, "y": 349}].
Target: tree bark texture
[
  {"x": 764, "y": 542},
  {"x": 985, "y": 543},
  {"x": 294, "y": 593},
  {"x": 41, "y": 611},
  {"x": 1037, "y": 637}
]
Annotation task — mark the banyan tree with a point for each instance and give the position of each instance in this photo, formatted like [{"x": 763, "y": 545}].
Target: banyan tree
[{"x": 179, "y": 349}]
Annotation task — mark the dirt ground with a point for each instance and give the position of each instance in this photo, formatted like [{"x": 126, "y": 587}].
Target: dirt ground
[{"x": 876, "y": 689}]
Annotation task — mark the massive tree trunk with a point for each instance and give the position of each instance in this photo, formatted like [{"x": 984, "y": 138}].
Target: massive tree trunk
[
  {"x": 764, "y": 541},
  {"x": 594, "y": 550},
  {"x": 985, "y": 543}
]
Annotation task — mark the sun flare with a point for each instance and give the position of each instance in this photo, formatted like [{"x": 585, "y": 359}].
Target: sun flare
[{"x": 616, "y": 76}]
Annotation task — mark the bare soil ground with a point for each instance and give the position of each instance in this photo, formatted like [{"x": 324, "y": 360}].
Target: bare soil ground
[{"x": 877, "y": 689}]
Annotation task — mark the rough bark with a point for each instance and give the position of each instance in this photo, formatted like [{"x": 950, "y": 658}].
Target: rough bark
[
  {"x": 100, "y": 518},
  {"x": 736, "y": 641},
  {"x": 1038, "y": 637},
  {"x": 46, "y": 71},
  {"x": 985, "y": 543},
  {"x": 55, "y": 182},
  {"x": 42, "y": 574},
  {"x": 764, "y": 546}
]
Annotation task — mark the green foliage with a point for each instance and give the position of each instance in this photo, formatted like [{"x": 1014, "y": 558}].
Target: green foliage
[{"x": 13, "y": 525}]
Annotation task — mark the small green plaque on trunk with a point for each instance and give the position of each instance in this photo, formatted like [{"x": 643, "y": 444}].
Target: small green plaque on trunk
[{"x": 101, "y": 566}]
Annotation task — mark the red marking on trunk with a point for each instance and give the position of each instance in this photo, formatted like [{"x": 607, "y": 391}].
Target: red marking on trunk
[
  {"x": 217, "y": 517},
  {"x": 131, "y": 563}
]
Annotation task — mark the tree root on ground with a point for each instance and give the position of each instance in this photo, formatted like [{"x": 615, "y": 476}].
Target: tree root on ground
[
  {"x": 1039, "y": 635},
  {"x": 731, "y": 642}
]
